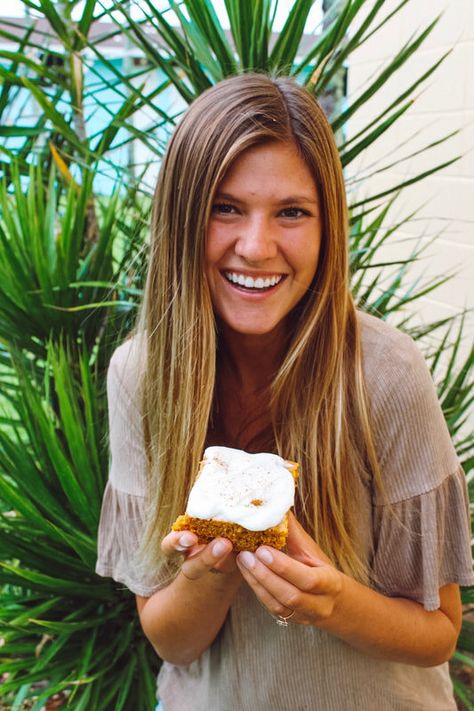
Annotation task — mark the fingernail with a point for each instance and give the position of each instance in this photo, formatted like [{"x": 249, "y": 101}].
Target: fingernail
[
  {"x": 186, "y": 540},
  {"x": 219, "y": 548},
  {"x": 247, "y": 559},
  {"x": 264, "y": 555}
]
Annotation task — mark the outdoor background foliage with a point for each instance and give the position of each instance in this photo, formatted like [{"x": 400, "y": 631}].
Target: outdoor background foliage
[{"x": 82, "y": 131}]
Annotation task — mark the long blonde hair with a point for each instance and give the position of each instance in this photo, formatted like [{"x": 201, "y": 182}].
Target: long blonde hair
[{"x": 318, "y": 405}]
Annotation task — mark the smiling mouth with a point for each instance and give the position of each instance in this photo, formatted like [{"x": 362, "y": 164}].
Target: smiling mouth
[{"x": 249, "y": 283}]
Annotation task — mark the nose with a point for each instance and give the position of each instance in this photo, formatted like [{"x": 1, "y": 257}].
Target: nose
[{"x": 256, "y": 241}]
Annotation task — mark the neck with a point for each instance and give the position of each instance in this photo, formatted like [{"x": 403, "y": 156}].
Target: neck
[{"x": 251, "y": 361}]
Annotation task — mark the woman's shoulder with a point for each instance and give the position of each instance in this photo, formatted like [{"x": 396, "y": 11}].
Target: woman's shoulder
[
  {"x": 127, "y": 362},
  {"x": 413, "y": 442},
  {"x": 389, "y": 356},
  {"x": 381, "y": 340},
  {"x": 396, "y": 375},
  {"x": 125, "y": 419}
]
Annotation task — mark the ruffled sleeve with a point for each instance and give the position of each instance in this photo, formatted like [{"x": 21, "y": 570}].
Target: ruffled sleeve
[
  {"x": 423, "y": 543},
  {"x": 123, "y": 512},
  {"x": 120, "y": 533},
  {"x": 421, "y": 531}
]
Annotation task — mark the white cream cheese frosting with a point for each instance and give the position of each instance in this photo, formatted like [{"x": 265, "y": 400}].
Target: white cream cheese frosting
[{"x": 252, "y": 490}]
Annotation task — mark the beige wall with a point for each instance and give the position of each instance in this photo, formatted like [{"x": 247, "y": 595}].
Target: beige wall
[{"x": 445, "y": 104}]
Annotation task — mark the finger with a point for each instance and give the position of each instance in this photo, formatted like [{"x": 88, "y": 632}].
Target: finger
[
  {"x": 274, "y": 606},
  {"x": 279, "y": 597},
  {"x": 301, "y": 546},
  {"x": 211, "y": 556},
  {"x": 178, "y": 542},
  {"x": 282, "y": 575},
  {"x": 195, "y": 550}
]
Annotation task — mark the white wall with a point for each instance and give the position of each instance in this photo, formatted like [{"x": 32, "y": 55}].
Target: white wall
[{"x": 445, "y": 105}]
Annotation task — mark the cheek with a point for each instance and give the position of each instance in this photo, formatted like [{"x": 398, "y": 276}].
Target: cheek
[
  {"x": 213, "y": 245},
  {"x": 212, "y": 260},
  {"x": 316, "y": 256},
  {"x": 310, "y": 258}
]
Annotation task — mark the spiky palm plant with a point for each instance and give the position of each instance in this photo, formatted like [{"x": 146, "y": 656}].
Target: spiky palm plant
[{"x": 72, "y": 257}]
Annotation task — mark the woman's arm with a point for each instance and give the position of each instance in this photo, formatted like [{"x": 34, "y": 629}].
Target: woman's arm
[
  {"x": 395, "y": 629},
  {"x": 183, "y": 619}
]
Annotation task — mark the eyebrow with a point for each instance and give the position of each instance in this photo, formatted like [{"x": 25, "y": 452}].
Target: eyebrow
[{"x": 290, "y": 200}]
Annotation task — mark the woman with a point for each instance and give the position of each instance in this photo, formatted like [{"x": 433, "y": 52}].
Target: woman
[{"x": 249, "y": 338}]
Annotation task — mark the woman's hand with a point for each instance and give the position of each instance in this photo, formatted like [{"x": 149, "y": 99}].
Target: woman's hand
[
  {"x": 199, "y": 559},
  {"x": 301, "y": 583},
  {"x": 304, "y": 585},
  {"x": 182, "y": 619}
]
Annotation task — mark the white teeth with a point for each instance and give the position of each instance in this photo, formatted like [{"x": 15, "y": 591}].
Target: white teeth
[{"x": 251, "y": 283}]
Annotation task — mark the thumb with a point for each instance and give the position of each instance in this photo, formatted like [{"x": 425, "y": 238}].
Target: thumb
[{"x": 302, "y": 547}]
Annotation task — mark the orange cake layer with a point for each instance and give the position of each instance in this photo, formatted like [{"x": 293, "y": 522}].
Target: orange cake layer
[{"x": 241, "y": 538}]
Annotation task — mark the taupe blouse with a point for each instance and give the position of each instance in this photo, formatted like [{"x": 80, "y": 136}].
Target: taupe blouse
[{"x": 417, "y": 541}]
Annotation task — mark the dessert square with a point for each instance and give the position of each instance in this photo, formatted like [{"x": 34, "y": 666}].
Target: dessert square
[{"x": 240, "y": 496}]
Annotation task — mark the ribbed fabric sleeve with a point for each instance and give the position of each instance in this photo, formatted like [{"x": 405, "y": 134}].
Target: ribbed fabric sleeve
[
  {"x": 127, "y": 447},
  {"x": 423, "y": 543},
  {"x": 413, "y": 443},
  {"x": 421, "y": 521},
  {"x": 118, "y": 543},
  {"x": 123, "y": 507}
]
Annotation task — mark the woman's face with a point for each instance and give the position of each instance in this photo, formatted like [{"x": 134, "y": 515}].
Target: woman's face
[{"x": 263, "y": 238}]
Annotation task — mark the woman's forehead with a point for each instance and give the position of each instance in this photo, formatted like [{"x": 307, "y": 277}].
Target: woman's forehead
[{"x": 274, "y": 168}]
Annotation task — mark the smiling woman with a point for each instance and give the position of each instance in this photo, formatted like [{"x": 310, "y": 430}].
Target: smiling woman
[{"x": 249, "y": 339}]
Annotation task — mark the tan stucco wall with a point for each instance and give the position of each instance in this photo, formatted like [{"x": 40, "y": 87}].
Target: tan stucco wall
[{"x": 446, "y": 103}]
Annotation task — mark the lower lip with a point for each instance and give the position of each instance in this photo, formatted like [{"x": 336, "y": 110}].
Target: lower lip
[{"x": 256, "y": 293}]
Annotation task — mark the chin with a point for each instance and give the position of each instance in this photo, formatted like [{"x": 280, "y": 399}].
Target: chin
[
  {"x": 254, "y": 331},
  {"x": 250, "y": 329}
]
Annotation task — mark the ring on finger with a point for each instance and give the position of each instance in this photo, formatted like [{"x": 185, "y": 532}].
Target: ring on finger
[{"x": 282, "y": 620}]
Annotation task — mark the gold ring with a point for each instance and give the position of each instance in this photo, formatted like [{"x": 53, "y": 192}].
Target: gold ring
[{"x": 283, "y": 621}]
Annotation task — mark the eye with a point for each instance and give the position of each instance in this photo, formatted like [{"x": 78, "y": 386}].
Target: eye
[
  {"x": 293, "y": 212},
  {"x": 223, "y": 208}
]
